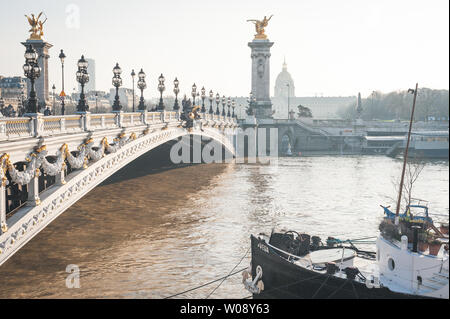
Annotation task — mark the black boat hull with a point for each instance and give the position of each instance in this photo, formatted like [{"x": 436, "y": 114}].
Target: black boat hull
[{"x": 285, "y": 280}]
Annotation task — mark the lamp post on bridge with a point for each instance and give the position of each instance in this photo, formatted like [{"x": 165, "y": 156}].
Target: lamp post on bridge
[
  {"x": 217, "y": 104},
  {"x": 233, "y": 105},
  {"x": 132, "y": 79},
  {"x": 117, "y": 82},
  {"x": 194, "y": 93},
  {"x": 229, "y": 107},
  {"x": 211, "y": 98},
  {"x": 203, "y": 99},
  {"x": 224, "y": 101},
  {"x": 82, "y": 78},
  {"x": 32, "y": 71},
  {"x": 96, "y": 102},
  {"x": 141, "y": 85},
  {"x": 62, "y": 56},
  {"x": 53, "y": 94},
  {"x": 176, "y": 90},
  {"x": 161, "y": 88}
]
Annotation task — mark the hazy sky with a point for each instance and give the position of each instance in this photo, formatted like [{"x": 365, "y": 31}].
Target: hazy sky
[{"x": 331, "y": 47}]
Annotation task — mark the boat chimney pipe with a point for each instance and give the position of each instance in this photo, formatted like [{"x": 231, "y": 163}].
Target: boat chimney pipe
[{"x": 415, "y": 237}]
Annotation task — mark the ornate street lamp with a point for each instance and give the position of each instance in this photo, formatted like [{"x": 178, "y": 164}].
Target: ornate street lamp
[
  {"x": 183, "y": 103},
  {"x": 32, "y": 71},
  {"x": 82, "y": 78},
  {"x": 176, "y": 90},
  {"x": 96, "y": 102},
  {"x": 53, "y": 93},
  {"x": 211, "y": 98},
  {"x": 203, "y": 99},
  {"x": 161, "y": 88},
  {"x": 229, "y": 107},
  {"x": 224, "y": 100},
  {"x": 132, "y": 79},
  {"x": 142, "y": 86},
  {"x": 117, "y": 82},
  {"x": 194, "y": 93},
  {"x": 62, "y": 56},
  {"x": 233, "y": 105},
  {"x": 217, "y": 104}
]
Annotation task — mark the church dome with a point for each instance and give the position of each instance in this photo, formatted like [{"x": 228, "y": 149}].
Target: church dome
[{"x": 284, "y": 84}]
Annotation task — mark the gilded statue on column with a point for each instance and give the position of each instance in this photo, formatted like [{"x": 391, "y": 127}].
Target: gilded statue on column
[
  {"x": 259, "y": 26},
  {"x": 37, "y": 26}
]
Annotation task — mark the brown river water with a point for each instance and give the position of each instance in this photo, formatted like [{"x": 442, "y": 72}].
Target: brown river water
[{"x": 165, "y": 232}]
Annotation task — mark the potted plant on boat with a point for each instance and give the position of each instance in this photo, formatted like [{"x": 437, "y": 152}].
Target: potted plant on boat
[
  {"x": 389, "y": 231},
  {"x": 434, "y": 246}
]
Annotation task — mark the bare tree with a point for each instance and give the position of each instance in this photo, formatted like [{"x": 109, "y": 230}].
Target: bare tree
[{"x": 414, "y": 168}]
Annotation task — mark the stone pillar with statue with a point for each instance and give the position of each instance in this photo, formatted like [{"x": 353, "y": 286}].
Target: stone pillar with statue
[
  {"x": 261, "y": 70},
  {"x": 42, "y": 47}
]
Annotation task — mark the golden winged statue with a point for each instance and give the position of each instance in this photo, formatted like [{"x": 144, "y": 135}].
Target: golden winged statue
[
  {"x": 37, "y": 26},
  {"x": 259, "y": 26}
]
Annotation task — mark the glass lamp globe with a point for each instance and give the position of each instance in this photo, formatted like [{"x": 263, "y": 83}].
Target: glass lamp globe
[
  {"x": 82, "y": 63},
  {"x": 117, "y": 70},
  {"x": 26, "y": 68}
]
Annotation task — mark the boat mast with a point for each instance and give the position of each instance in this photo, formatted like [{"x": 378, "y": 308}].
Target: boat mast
[{"x": 405, "y": 155}]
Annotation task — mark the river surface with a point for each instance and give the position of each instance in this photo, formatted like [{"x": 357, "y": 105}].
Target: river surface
[{"x": 166, "y": 232}]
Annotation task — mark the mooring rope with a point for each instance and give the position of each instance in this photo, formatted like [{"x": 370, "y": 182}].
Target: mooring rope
[
  {"x": 229, "y": 273},
  {"x": 206, "y": 284}
]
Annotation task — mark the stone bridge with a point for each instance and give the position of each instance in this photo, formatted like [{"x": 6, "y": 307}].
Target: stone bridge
[{"x": 48, "y": 163}]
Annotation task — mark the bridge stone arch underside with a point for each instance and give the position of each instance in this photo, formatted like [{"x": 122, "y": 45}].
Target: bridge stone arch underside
[{"x": 28, "y": 221}]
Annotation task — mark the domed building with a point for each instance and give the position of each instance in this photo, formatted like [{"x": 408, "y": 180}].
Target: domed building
[{"x": 284, "y": 84}]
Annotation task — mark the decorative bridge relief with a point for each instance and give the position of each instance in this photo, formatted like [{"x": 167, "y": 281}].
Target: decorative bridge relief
[{"x": 94, "y": 161}]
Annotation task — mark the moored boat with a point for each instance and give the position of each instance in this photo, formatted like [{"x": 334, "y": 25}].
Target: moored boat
[{"x": 410, "y": 260}]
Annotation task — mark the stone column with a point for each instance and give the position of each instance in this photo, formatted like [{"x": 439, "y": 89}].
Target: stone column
[
  {"x": 33, "y": 192},
  {"x": 119, "y": 118},
  {"x": 143, "y": 116},
  {"x": 85, "y": 120},
  {"x": 261, "y": 77},
  {"x": 37, "y": 122},
  {"x": 60, "y": 177}
]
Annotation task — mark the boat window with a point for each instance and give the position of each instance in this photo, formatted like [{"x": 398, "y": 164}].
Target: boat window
[{"x": 391, "y": 264}]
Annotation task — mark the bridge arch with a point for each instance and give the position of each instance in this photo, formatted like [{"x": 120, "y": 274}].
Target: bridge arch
[{"x": 30, "y": 220}]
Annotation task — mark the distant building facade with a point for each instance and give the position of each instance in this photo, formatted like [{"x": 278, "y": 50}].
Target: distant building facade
[
  {"x": 13, "y": 93},
  {"x": 285, "y": 100},
  {"x": 13, "y": 87},
  {"x": 125, "y": 96}
]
